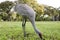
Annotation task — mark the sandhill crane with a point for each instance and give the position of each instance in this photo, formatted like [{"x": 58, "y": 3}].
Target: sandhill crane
[{"x": 27, "y": 11}]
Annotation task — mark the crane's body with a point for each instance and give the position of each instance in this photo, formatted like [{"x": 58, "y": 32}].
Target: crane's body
[{"x": 27, "y": 11}]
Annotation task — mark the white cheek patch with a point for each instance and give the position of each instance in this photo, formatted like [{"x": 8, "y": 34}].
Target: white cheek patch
[
  {"x": 15, "y": 12},
  {"x": 12, "y": 10}
]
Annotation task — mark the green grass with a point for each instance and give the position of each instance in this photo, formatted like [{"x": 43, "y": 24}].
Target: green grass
[{"x": 13, "y": 31}]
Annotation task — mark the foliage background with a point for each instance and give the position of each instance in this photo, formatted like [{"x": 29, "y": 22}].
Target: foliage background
[{"x": 43, "y": 12}]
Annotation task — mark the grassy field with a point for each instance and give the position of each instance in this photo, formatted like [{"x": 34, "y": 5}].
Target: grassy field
[{"x": 13, "y": 31}]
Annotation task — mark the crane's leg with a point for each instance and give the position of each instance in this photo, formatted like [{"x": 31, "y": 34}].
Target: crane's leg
[
  {"x": 23, "y": 25},
  {"x": 32, "y": 20}
]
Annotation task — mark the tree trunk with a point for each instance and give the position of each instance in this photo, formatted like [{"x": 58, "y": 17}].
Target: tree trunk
[{"x": 59, "y": 17}]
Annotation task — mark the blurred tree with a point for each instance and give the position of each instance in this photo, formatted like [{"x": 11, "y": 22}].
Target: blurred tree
[
  {"x": 5, "y": 8},
  {"x": 59, "y": 12},
  {"x": 51, "y": 11}
]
